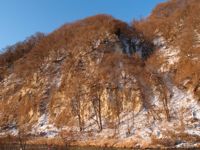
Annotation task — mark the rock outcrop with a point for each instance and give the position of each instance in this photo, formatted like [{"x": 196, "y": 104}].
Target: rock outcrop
[{"x": 99, "y": 79}]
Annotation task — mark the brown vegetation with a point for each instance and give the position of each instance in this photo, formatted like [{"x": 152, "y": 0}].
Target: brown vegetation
[
  {"x": 178, "y": 22},
  {"x": 17, "y": 51},
  {"x": 88, "y": 70}
]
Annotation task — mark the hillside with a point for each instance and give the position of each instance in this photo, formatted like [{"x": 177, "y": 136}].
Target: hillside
[{"x": 99, "y": 79}]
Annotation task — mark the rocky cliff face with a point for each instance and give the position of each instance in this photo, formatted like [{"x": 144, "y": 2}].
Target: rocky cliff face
[{"x": 101, "y": 80}]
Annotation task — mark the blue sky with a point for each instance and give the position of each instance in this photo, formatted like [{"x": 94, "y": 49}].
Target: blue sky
[{"x": 22, "y": 18}]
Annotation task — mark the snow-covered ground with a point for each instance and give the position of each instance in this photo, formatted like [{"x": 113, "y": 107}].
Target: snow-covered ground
[
  {"x": 44, "y": 128},
  {"x": 168, "y": 53}
]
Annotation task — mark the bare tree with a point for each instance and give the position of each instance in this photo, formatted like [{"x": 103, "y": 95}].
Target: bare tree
[
  {"x": 96, "y": 92},
  {"x": 76, "y": 106},
  {"x": 76, "y": 90},
  {"x": 110, "y": 69},
  {"x": 22, "y": 137},
  {"x": 164, "y": 90},
  {"x": 68, "y": 138}
]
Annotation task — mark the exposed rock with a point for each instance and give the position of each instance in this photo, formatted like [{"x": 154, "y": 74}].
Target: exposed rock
[{"x": 102, "y": 80}]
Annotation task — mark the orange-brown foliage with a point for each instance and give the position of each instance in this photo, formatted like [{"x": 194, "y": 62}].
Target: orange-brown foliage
[
  {"x": 177, "y": 20},
  {"x": 69, "y": 36}
]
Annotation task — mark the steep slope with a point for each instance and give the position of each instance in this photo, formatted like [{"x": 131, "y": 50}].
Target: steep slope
[
  {"x": 100, "y": 80},
  {"x": 75, "y": 79},
  {"x": 174, "y": 27}
]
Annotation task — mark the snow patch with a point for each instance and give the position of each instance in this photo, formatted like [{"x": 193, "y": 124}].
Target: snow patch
[
  {"x": 193, "y": 132},
  {"x": 11, "y": 130},
  {"x": 44, "y": 128},
  {"x": 185, "y": 145},
  {"x": 170, "y": 54},
  {"x": 97, "y": 43},
  {"x": 197, "y": 38}
]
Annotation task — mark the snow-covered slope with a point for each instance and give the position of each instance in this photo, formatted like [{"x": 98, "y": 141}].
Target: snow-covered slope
[{"x": 101, "y": 82}]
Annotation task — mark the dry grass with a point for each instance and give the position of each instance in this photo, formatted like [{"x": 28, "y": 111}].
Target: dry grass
[
  {"x": 76, "y": 38},
  {"x": 176, "y": 20},
  {"x": 172, "y": 139}
]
